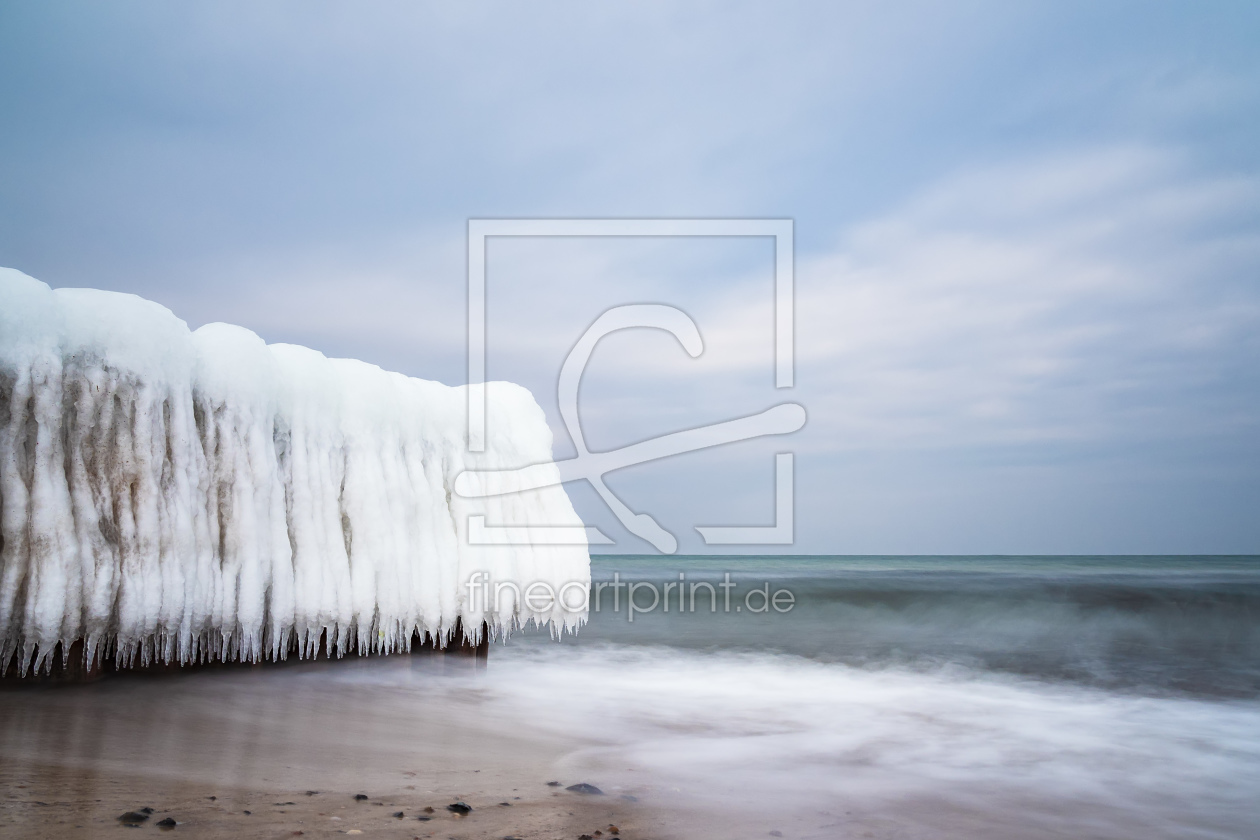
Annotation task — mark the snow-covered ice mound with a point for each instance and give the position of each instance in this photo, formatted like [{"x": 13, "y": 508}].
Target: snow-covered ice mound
[{"x": 170, "y": 496}]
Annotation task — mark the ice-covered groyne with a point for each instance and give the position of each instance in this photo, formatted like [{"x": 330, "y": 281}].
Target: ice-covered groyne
[{"x": 178, "y": 496}]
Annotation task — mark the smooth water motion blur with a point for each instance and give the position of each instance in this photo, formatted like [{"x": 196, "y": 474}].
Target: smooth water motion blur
[
  {"x": 1154, "y": 625},
  {"x": 898, "y": 697}
]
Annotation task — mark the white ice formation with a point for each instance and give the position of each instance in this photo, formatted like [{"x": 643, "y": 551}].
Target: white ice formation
[{"x": 176, "y": 496}]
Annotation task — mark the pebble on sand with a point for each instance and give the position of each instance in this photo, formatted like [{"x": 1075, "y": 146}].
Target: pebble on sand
[
  {"x": 133, "y": 817},
  {"x": 360, "y": 797},
  {"x": 583, "y": 787},
  {"x": 166, "y": 824},
  {"x": 460, "y": 807},
  {"x": 399, "y": 814}
]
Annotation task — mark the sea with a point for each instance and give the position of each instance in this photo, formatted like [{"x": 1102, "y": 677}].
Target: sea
[
  {"x": 993, "y": 696},
  {"x": 977, "y": 698}
]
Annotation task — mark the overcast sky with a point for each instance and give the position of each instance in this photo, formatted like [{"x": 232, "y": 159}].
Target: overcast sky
[{"x": 1027, "y": 234}]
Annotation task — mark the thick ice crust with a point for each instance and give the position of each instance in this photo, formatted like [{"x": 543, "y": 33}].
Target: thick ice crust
[{"x": 171, "y": 496}]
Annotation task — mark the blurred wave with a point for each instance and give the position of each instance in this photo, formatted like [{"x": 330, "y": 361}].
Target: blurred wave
[{"x": 1186, "y": 625}]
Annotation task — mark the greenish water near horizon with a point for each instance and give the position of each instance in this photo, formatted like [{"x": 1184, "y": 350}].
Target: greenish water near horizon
[
  {"x": 1186, "y": 625},
  {"x": 1044, "y": 696},
  {"x": 934, "y": 562}
]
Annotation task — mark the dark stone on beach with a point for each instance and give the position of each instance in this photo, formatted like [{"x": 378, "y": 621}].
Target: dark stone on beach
[
  {"x": 424, "y": 819},
  {"x": 505, "y": 804},
  {"x": 146, "y": 810},
  {"x": 553, "y": 784},
  {"x": 212, "y": 798},
  {"x": 360, "y": 797},
  {"x": 312, "y": 793},
  {"x": 247, "y": 813},
  {"x": 583, "y": 787},
  {"x": 166, "y": 824},
  {"x": 585, "y": 837},
  {"x": 428, "y": 809},
  {"x": 133, "y": 818},
  {"x": 460, "y": 807},
  {"x": 281, "y": 804},
  {"x": 399, "y": 814}
]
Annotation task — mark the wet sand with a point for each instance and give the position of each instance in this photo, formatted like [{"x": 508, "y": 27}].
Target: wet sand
[
  {"x": 52, "y": 802},
  {"x": 684, "y": 745},
  {"x": 285, "y": 753}
]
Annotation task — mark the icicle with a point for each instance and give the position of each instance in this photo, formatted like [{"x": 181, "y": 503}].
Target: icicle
[{"x": 175, "y": 496}]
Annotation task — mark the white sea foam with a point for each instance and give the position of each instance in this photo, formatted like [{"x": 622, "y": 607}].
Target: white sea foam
[
  {"x": 712, "y": 744},
  {"x": 168, "y": 495},
  {"x": 730, "y": 743}
]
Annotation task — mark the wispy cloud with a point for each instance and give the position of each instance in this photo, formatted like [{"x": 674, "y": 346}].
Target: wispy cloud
[
  {"x": 1106, "y": 294},
  {"x": 1026, "y": 233}
]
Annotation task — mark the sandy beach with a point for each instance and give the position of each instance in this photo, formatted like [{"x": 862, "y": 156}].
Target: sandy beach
[
  {"x": 291, "y": 751},
  {"x": 684, "y": 744},
  {"x": 50, "y": 801}
]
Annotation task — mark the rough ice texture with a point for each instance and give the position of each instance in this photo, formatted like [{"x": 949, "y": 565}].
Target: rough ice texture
[{"x": 176, "y": 496}]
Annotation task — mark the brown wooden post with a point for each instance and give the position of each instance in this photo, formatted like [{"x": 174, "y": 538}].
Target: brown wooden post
[
  {"x": 18, "y": 673},
  {"x": 480, "y": 651}
]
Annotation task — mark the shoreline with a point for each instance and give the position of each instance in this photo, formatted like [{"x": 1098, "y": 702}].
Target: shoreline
[
  {"x": 54, "y": 801},
  {"x": 709, "y": 745},
  {"x": 204, "y": 748}
]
